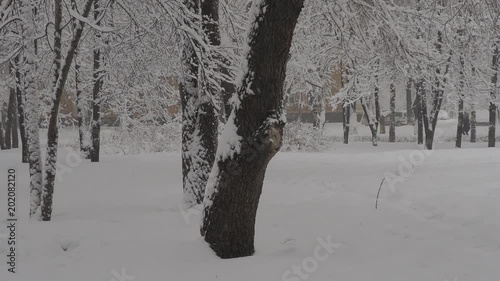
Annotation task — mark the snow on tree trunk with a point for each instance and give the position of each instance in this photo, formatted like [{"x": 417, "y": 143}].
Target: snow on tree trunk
[
  {"x": 21, "y": 100},
  {"x": 60, "y": 77},
  {"x": 31, "y": 108},
  {"x": 11, "y": 118},
  {"x": 253, "y": 133},
  {"x": 346, "y": 112},
  {"x": 493, "y": 107},
  {"x": 460, "y": 123},
  {"x": 473, "y": 122},
  {"x": 371, "y": 123},
  {"x": 95, "y": 127},
  {"x": 392, "y": 106},
  {"x": 84, "y": 148},
  {"x": 199, "y": 117},
  {"x": 14, "y": 128},
  {"x": 409, "y": 107},
  {"x": 418, "y": 111}
]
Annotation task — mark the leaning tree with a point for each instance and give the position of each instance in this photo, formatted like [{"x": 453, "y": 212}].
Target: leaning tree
[{"x": 253, "y": 132}]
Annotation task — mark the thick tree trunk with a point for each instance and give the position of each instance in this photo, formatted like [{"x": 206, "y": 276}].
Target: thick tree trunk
[
  {"x": 59, "y": 82},
  {"x": 95, "y": 127},
  {"x": 493, "y": 108},
  {"x": 29, "y": 105},
  {"x": 199, "y": 125},
  {"x": 460, "y": 125},
  {"x": 392, "y": 128},
  {"x": 253, "y": 133}
]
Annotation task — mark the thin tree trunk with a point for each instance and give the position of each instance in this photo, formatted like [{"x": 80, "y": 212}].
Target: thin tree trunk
[
  {"x": 418, "y": 112},
  {"x": 493, "y": 108},
  {"x": 11, "y": 118},
  {"x": 84, "y": 148},
  {"x": 392, "y": 128},
  {"x": 95, "y": 127},
  {"x": 2, "y": 138},
  {"x": 371, "y": 124},
  {"x": 346, "y": 111},
  {"x": 253, "y": 133},
  {"x": 59, "y": 83},
  {"x": 409, "y": 111},
  {"x": 473, "y": 122},
  {"x": 460, "y": 125},
  {"x": 20, "y": 96},
  {"x": 14, "y": 128}
]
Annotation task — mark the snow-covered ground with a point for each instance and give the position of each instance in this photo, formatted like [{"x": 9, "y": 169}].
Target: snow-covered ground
[{"x": 120, "y": 220}]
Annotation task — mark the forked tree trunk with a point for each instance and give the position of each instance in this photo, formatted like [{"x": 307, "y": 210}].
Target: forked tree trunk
[
  {"x": 253, "y": 133},
  {"x": 392, "y": 128},
  {"x": 493, "y": 108},
  {"x": 59, "y": 82},
  {"x": 199, "y": 125}
]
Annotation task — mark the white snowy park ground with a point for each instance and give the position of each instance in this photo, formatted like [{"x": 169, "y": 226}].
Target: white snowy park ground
[{"x": 120, "y": 220}]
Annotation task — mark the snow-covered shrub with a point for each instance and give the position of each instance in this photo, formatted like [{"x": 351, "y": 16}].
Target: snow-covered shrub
[
  {"x": 141, "y": 139},
  {"x": 300, "y": 136}
]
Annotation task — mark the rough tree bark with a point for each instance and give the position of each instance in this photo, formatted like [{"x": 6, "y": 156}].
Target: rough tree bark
[
  {"x": 95, "y": 127},
  {"x": 60, "y": 77},
  {"x": 13, "y": 117},
  {"x": 473, "y": 122},
  {"x": 2, "y": 138},
  {"x": 28, "y": 97},
  {"x": 20, "y": 97},
  {"x": 460, "y": 124},
  {"x": 199, "y": 117},
  {"x": 346, "y": 108},
  {"x": 493, "y": 108},
  {"x": 253, "y": 133},
  {"x": 392, "y": 106}
]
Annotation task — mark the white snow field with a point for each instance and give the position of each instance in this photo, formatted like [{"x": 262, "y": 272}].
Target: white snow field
[{"x": 120, "y": 220}]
